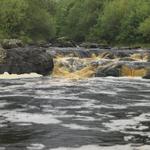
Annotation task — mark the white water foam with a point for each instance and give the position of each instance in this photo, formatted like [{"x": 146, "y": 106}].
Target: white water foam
[
  {"x": 96, "y": 147},
  {"x": 17, "y": 76},
  {"x": 133, "y": 123},
  {"x": 36, "y": 146},
  {"x": 22, "y": 117},
  {"x": 78, "y": 127},
  {"x": 3, "y": 104}
]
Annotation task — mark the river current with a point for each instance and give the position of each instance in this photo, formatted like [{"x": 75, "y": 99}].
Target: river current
[{"x": 45, "y": 113}]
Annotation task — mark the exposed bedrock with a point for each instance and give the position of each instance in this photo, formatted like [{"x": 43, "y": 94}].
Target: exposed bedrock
[
  {"x": 103, "y": 53},
  {"x": 25, "y": 60},
  {"x": 103, "y": 63},
  {"x": 123, "y": 68},
  {"x": 11, "y": 43}
]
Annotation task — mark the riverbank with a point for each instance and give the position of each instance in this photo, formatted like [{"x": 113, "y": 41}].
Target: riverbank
[{"x": 84, "y": 61}]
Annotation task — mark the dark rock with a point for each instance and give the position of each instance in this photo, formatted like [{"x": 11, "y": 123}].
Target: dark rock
[
  {"x": 26, "y": 60},
  {"x": 110, "y": 69},
  {"x": 2, "y": 54},
  {"x": 126, "y": 48},
  {"x": 44, "y": 44},
  {"x": 147, "y": 75},
  {"x": 93, "y": 45},
  {"x": 122, "y": 54},
  {"x": 11, "y": 43},
  {"x": 71, "y": 52},
  {"x": 64, "y": 42},
  {"x": 123, "y": 68},
  {"x": 147, "y": 57},
  {"x": 107, "y": 55},
  {"x": 126, "y": 59}
]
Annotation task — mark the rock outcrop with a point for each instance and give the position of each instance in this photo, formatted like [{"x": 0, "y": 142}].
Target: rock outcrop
[
  {"x": 123, "y": 68},
  {"x": 63, "y": 42},
  {"x": 93, "y": 45},
  {"x": 102, "y": 62},
  {"x": 25, "y": 60},
  {"x": 11, "y": 43}
]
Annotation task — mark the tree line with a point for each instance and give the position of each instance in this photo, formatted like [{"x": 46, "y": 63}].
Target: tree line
[{"x": 101, "y": 21}]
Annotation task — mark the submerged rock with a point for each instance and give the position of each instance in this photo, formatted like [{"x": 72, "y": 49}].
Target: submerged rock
[{"x": 26, "y": 60}]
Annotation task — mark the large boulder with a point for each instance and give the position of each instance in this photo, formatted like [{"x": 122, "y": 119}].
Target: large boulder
[
  {"x": 11, "y": 43},
  {"x": 147, "y": 75},
  {"x": 124, "y": 68},
  {"x": 26, "y": 60},
  {"x": 110, "y": 69}
]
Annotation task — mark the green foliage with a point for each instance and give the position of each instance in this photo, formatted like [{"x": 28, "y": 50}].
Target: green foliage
[
  {"x": 76, "y": 18},
  {"x": 27, "y": 19},
  {"x": 120, "y": 21},
  {"x": 111, "y": 21},
  {"x": 144, "y": 28}
]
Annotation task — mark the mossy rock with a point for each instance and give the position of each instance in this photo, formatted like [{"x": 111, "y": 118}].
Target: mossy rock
[
  {"x": 64, "y": 42},
  {"x": 2, "y": 54},
  {"x": 11, "y": 43}
]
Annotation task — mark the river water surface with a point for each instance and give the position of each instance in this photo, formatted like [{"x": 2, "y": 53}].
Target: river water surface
[{"x": 44, "y": 113}]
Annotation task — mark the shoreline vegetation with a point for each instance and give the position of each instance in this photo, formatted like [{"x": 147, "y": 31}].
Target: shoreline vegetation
[
  {"x": 97, "y": 38},
  {"x": 110, "y": 22}
]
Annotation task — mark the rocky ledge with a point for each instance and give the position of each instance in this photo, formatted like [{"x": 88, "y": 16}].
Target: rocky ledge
[
  {"x": 22, "y": 60},
  {"x": 80, "y": 63}
]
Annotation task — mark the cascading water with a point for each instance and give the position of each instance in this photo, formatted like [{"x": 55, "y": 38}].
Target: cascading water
[{"x": 68, "y": 111}]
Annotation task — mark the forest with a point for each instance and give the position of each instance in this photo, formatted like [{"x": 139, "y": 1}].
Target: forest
[{"x": 100, "y": 21}]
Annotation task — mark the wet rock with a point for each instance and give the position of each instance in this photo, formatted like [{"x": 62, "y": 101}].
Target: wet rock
[
  {"x": 107, "y": 55},
  {"x": 60, "y": 52},
  {"x": 26, "y": 60},
  {"x": 64, "y": 42},
  {"x": 126, "y": 48},
  {"x": 122, "y": 54},
  {"x": 147, "y": 75},
  {"x": 126, "y": 59},
  {"x": 44, "y": 44},
  {"x": 11, "y": 43},
  {"x": 2, "y": 54},
  {"x": 146, "y": 57},
  {"x": 93, "y": 45},
  {"x": 123, "y": 68},
  {"x": 110, "y": 69},
  {"x": 71, "y": 64},
  {"x": 137, "y": 56}
]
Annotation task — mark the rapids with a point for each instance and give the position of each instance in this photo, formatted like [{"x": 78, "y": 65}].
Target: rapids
[
  {"x": 70, "y": 111},
  {"x": 46, "y": 113}
]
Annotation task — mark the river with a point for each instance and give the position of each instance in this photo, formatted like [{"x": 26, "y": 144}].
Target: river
[{"x": 45, "y": 113}]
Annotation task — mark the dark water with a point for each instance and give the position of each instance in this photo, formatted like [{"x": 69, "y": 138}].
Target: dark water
[{"x": 91, "y": 114}]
